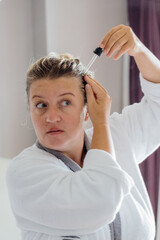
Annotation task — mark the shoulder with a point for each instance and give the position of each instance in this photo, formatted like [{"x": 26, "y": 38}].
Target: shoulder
[
  {"x": 32, "y": 152},
  {"x": 32, "y": 158}
]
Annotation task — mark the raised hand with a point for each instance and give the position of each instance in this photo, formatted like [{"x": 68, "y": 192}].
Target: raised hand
[
  {"x": 119, "y": 40},
  {"x": 98, "y": 102}
]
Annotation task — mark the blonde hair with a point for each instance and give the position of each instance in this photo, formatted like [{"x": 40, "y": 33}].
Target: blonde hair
[{"x": 54, "y": 66}]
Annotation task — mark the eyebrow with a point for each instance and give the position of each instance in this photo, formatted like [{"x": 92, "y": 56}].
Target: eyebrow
[{"x": 63, "y": 94}]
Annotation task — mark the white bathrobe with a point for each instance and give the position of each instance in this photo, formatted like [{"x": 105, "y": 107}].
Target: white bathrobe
[{"x": 51, "y": 202}]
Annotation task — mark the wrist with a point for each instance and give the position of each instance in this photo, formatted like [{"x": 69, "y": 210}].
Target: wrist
[
  {"x": 138, "y": 50},
  {"x": 102, "y": 138},
  {"x": 101, "y": 125}
]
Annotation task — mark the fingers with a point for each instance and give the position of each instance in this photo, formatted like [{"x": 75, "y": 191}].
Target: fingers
[
  {"x": 98, "y": 101},
  {"x": 116, "y": 45},
  {"x": 118, "y": 41},
  {"x": 123, "y": 50},
  {"x": 90, "y": 94},
  {"x": 94, "y": 84},
  {"x": 108, "y": 36},
  {"x": 95, "y": 92}
]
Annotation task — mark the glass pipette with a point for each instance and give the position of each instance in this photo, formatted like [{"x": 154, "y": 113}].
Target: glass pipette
[{"x": 97, "y": 52}]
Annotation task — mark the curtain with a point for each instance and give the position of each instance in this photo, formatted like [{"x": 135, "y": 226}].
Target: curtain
[{"x": 144, "y": 19}]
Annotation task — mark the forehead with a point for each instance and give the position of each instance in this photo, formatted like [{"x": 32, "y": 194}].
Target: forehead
[{"x": 57, "y": 85}]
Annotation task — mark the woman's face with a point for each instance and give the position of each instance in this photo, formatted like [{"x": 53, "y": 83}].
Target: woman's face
[{"x": 57, "y": 112}]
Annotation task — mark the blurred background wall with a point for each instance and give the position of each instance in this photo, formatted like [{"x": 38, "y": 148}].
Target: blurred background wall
[
  {"x": 16, "y": 49},
  {"x": 31, "y": 29}
]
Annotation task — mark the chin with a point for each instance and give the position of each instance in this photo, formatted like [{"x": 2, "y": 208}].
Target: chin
[{"x": 56, "y": 145}]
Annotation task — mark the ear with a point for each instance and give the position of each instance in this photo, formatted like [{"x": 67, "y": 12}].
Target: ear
[{"x": 86, "y": 115}]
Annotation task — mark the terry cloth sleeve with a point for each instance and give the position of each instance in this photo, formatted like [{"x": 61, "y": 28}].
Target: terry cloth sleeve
[
  {"x": 45, "y": 192},
  {"x": 140, "y": 121}
]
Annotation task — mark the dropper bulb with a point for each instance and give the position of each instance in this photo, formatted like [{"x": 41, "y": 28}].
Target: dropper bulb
[{"x": 98, "y": 51}]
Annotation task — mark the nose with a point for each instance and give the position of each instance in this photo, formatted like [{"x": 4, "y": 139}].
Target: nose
[{"x": 52, "y": 115}]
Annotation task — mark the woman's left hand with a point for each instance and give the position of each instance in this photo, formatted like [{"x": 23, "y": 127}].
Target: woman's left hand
[{"x": 120, "y": 39}]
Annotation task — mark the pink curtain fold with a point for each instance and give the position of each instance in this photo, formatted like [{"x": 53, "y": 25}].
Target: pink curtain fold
[{"x": 144, "y": 18}]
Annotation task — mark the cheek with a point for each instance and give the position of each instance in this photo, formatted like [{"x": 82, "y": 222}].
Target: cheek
[
  {"x": 36, "y": 120},
  {"x": 77, "y": 119}
]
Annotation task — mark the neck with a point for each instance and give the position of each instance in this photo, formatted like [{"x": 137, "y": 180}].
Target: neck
[{"x": 78, "y": 151}]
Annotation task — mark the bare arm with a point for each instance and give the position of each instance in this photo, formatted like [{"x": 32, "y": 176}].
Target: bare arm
[
  {"x": 121, "y": 39},
  {"x": 148, "y": 65}
]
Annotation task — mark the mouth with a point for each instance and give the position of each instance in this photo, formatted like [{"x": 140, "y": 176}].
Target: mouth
[{"x": 55, "y": 131}]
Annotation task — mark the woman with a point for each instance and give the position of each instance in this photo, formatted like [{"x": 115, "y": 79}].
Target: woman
[{"x": 76, "y": 184}]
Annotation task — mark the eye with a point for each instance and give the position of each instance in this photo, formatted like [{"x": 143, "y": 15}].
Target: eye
[
  {"x": 41, "y": 105},
  {"x": 65, "y": 103}
]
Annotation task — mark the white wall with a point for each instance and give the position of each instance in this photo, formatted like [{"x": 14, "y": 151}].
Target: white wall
[
  {"x": 39, "y": 28},
  {"x": 16, "y": 49}
]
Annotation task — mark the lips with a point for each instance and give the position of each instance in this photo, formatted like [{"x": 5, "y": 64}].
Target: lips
[{"x": 54, "y": 131}]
